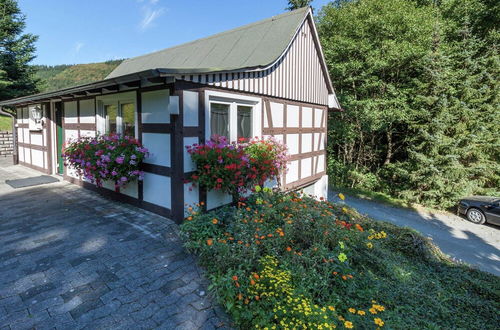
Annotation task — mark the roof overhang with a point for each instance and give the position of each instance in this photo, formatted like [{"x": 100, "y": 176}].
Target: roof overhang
[{"x": 95, "y": 88}]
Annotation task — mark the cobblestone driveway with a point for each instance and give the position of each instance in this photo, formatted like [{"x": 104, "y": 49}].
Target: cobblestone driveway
[{"x": 71, "y": 259}]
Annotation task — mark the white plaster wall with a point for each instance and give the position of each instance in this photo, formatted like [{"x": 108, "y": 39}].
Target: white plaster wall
[
  {"x": 189, "y": 165},
  {"x": 316, "y": 141},
  {"x": 216, "y": 198},
  {"x": 70, "y": 135},
  {"x": 37, "y": 157},
  {"x": 27, "y": 155},
  {"x": 26, "y": 135},
  {"x": 293, "y": 172},
  {"x": 306, "y": 167},
  {"x": 321, "y": 163},
  {"x": 37, "y": 139},
  {"x": 307, "y": 141},
  {"x": 277, "y": 114},
  {"x": 292, "y": 112},
  {"x": 87, "y": 111},
  {"x": 321, "y": 187},
  {"x": 322, "y": 138},
  {"x": 292, "y": 141},
  {"x": 318, "y": 113},
  {"x": 158, "y": 145},
  {"x": 190, "y": 108},
  {"x": 307, "y": 115},
  {"x": 191, "y": 196},
  {"x": 157, "y": 190},
  {"x": 21, "y": 154},
  {"x": 155, "y": 107},
  {"x": 131, "y": 189},
  {"x": 20, "y": 135},
  {"x": 70, "y": 112},
  {"x": 87, "y": 133},
  {"x": 108, "y": 184}
]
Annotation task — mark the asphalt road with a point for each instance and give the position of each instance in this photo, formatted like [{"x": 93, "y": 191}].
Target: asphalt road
[{"x": 476, "y": 245}]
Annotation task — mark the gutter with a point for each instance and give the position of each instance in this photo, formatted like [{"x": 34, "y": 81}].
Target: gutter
[{"x": 15, "y": 156}]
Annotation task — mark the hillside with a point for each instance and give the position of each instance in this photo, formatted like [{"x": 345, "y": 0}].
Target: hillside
[{"x": 63, "y": 76}]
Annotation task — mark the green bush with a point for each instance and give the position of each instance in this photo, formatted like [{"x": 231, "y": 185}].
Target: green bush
[{"x": 290, "y": 261}]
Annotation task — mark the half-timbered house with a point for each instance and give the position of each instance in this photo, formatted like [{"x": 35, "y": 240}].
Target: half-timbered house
[{"x": 266, "y": 78}]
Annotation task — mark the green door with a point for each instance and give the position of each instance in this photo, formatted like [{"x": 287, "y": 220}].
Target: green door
[{"x": 60, "y": 137}]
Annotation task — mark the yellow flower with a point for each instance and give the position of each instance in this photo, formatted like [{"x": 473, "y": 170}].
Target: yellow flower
[
  {"x": 352, "y": 310},
  {"x": 344, "y": 210},
  {"x": 373, "y": 310},
  {"x": 331, "y": 308},
  {"x": 341, "y": 196},
  {"x": 215, "y": 221},
  {"x": 361, "y": 313},
  {"x": 369, "y": 245},
  {"x": 348, "y": 324},
  {"x": 378, "y": 321}
]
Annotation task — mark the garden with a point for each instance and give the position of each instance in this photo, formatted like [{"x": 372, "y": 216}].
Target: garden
[{"x": 281, "y": 260}]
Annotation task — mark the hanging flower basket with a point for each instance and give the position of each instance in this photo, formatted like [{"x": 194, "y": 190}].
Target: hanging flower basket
[{"x": 106, "y": 157}]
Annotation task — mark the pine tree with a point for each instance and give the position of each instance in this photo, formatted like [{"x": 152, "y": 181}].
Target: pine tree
[
  {"x": 296, "y": 4},
  {"x": 16, "y": 52}
]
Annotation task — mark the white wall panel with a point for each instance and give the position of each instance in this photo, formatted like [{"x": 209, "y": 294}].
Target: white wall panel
[
  {"x": 277, "y": 114},
  {"x": 87, "y": 133},
  {"x": 26, "y": 135},
  {"x": 157, "y": 190},
  {"x": 70, "y": 112},
  {"x": 321, "y": 163},
  {"x": 307, "y": 141},
  {"x": 316, "y": 141},
  {"x": 307, "y": 119},
  {"x": 318, "y": 113},
  {"x": 37, "y": 139},
  {"x": 292, "y": 112},
  {"x": 293, "y": 172},
  {"x": 189, "y": 165},
  {"x": 21, "y": 154},
  {"x": 70, "y": 135},
  {"x": 191, "y": 196},
  {"x": 292, "y": 141},
  {"x": 217, "y": 198},
  {"x": 305, "y": 168},
  {"x": 20, "y": 135},
  {"x": 87, "y": 111},
  {"x": 155, "y": 107},
  {"x": 190, "y": 108},
  {"x": 37, "y": 157},
  {"x": 27, "y": 155},
  {"x": 130, "y": 189},
  {"x": 158, "y": 145}
]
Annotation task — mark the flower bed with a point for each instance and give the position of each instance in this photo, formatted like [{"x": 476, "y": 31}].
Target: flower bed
[
  {"x": 236, "y": 167},
  {"x": 289, "y": 261},
  {"x": 107, "y": 157}
]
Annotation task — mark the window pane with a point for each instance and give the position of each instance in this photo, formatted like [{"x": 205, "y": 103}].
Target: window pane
[
  {"x": 219, "y": 119},
  {"x": 244, "y": 122},
  {"x": 111, "y": 113},
  {"x": 128, "y": 119}
]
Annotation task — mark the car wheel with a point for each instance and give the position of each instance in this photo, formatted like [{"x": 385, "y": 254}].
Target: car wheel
[{"x": 476, "y": 216}]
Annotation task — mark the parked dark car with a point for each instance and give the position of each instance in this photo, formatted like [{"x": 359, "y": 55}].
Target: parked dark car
[{"x": 480, "y": 209}]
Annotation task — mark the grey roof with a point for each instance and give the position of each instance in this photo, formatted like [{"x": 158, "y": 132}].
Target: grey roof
[{"x": 251, "y": 46}]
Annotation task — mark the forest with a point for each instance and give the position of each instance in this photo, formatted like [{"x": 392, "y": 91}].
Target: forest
[{"x": 419, "y": 84}]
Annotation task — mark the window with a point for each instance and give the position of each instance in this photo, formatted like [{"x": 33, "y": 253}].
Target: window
[
  {"x": 231, "y": 118},
  {"x": 244, "y": 121},
  {"x": 219, "y": 119},
  {"x": 116, "y": 114}
]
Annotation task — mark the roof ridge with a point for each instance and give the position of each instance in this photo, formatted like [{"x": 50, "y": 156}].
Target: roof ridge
[{"x": 272, "y": 18}]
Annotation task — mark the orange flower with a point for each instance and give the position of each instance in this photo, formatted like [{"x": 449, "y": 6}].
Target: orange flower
[
  {"x": 237, "y": 284},
  {"x": 358, "y": 227},
  {"x": 269, "y": 235},
  {"x": 247, "y": 301},
  {"x": 215, "y": 221},
  {"x": 189, "y": 218},
  {"x": 257, "y": 242},
  {"x": 335, "y": 273},
  {"x": 256, "y": 276},
  {"x": 344, "y": 277},
  {"x": 288, "y": 248},
  {"x": 235, "y": 278},
  {"x": 248, "y": 209},
  {"x": 252, "y": 282},
  {"x": 210, "y": 241},
  {"x": 240, "y": 242},
  {"x": 282, "y": 233},
  {"x": 240, "y": 296},
  {"x": 257, "y": 298}
]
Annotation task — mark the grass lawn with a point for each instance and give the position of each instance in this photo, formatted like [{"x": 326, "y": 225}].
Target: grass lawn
[
  {"x": 289, "y": 261},
  {"x": 5, "y": 123}
]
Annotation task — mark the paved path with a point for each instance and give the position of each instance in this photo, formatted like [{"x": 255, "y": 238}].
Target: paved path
[
  {"x": 477, "y": 245},
  {"x": 70, "y": 259}
]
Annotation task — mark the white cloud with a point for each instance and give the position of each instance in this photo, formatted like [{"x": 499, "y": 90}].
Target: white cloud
[
  {"x": 78, "y": 46},
  {"x": 149, "y": 16}
]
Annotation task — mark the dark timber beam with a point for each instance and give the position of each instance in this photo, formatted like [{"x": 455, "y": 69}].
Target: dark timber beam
[{"x": 133, "y": 84}]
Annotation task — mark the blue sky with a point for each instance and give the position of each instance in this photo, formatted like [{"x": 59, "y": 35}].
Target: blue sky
[{"x": 86, "y": 31}]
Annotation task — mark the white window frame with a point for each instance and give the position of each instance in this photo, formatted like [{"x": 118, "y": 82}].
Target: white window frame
[
  {"x": 234, "y": 100},
  {"x": 118, "y": 100}
]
